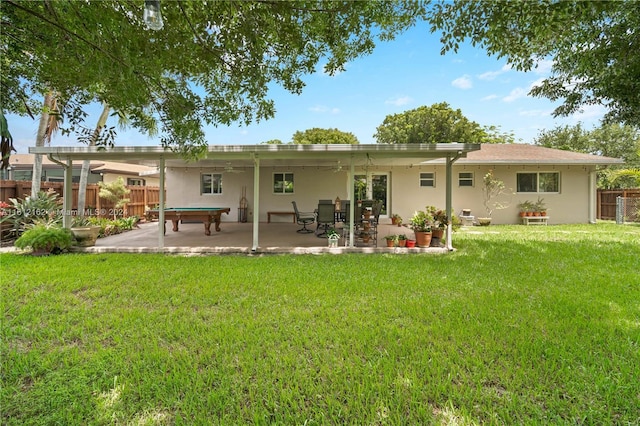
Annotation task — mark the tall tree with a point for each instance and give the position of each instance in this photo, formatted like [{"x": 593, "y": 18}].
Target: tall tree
[
  {"x": 610, "y": 140},
  {"x": 326, "y": 136},
  {"x": 593, "y": 46},
  {"x": 438, "y": 123},
  {"x": 49, "y": 125},
  {"x": 212, "y": 63}
]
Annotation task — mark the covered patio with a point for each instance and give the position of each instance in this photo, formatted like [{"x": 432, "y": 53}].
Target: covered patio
[
  {"x": 236, "y": 238},
  {"x": 229, "y": 159}
]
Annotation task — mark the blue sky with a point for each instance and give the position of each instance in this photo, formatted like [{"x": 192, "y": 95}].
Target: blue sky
[{"x": 398, "y": 76}]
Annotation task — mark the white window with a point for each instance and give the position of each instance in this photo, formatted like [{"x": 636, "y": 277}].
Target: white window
[
  {"x": 465, "y": 179},
  {"x": 210, "y": 183},
  {"x": 283, "y": 183},
  {"x": 428, "y": 179},
  {"x": 547, "y": 182},
  {"x": 135, "y": 182}
]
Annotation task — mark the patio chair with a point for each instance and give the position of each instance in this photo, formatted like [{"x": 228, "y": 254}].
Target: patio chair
[
  {"x": 303, "y": 218},
  {"x": 326, "y": 218}
]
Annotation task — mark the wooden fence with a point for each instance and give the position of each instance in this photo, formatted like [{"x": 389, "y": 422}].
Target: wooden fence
[
  {"x": 139, "y": 196},
  {"x": 607, "y": 201}
]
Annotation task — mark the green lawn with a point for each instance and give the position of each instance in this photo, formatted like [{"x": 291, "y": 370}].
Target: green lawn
[{"x": 521, "y": 325}]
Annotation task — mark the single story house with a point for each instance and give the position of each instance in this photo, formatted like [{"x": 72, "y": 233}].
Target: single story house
[
  {"x": 406, "y": 177},
  {"x": 21, "y": 168}
]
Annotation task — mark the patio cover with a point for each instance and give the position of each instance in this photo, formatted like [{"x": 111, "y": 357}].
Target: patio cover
[{"x": 255, "y": 156}]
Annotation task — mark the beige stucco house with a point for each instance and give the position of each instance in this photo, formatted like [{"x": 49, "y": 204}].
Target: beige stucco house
[{"x": 405, "y": 177}]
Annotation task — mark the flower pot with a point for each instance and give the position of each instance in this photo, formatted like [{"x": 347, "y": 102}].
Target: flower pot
[
  {"x": 436, "y": 237},
  {"x": 411, "y": 243},
  {"x": 333, "y": 241},
  {"x": 86, "y": 236},
  {"x": 423, "y": 239},
  {"x": 390, "y": 243},
  {"x": 484, "y": 221},
  {"x": 402, "y": 243}
]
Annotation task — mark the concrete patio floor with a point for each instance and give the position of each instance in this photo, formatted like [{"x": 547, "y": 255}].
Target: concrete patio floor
[{"x": 275, "y": 237}]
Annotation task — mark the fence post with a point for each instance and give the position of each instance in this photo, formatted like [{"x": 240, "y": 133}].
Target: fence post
[{"x": 619, "y": 210}]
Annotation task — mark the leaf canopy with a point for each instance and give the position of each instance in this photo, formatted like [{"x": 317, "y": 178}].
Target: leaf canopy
[{"x": 212, "y": 63}]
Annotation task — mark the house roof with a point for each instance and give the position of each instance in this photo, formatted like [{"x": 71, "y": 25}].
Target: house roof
[
  {"x": 271, "y": 155},
  {"x": 25, "y": 162},
  {"x": 532, "y": 154},
  {"x": 325, "y": 155}
]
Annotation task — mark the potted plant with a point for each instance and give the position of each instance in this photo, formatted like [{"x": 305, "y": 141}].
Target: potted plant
[
  {"x": 525, "y": 208},
  {"x": 392, "y": 240},
  {"x": 410, "y": 243},
  {"x": 396, "y": 219},
  {"x": 541, "y": 207},
  {"x": 84, "y": 232},
  {"x": 402, "y": 240},
  {"x": 440, "y": 222},
  {"x": 492, "y": 189},
  {"x": 43, "y": 239},
  {"x": 421, "y": 223},
  {"x": 333, "y": 237}
]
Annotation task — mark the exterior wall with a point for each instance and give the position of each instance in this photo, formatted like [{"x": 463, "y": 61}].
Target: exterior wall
[
  {"x": 571, "y": 205},
  {"x": 111, "y": 177}
]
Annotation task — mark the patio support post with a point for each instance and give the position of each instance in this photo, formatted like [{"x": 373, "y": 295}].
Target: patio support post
[
  {"x": 593, "y": 191},
  {"x": 161, "y": 207},
  {"x": 352, "y": 208},
  {"x": 448, "y": 197},
  {"x": 256, "y": 202},
  {"x": 67, "y": 199}
]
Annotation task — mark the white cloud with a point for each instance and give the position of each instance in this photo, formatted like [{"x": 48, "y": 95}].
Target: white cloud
[
  {"x": 543, "y": 67},
  {"x": 490, "y": 75},
  {"x": 322, "y": 109},
  {"x": 488, "y": 98},
  {"x": 515, "y": 94},
  {"x": 463, "y": 82},
  {"x": 534, "y": 113},
  {"x": 398, "y": 101},
  {"x": 589, "y": 112}
]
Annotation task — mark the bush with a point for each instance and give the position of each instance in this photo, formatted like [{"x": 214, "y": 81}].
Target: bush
[
  {"x": 51, "y": 239},
  {"x": 24, "y": 214}
]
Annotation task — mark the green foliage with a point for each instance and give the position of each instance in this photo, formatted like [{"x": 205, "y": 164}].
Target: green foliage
[
  {"x": 48, "y": 238},
  {"x": 438, "y": 123},
  {"x": 610, "y": 140},
  {"x": 324, "y": 136},
  {"x": 113, "y": 226},
  {"x": 115, "y": 192},
  {"x": 492, "y": 189},
  {"x": 22, "y": 214},
  {"x": 421, "y": 221},
  {"x": 212, "y": 63},
  {"x": 588, "y": 42}
]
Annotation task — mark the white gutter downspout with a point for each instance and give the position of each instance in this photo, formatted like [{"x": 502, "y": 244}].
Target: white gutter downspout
[
  {"x": 448, "y": 199},
  {"x": 592, "y": 195},
  {"x": 67, "y": 196},
  {"x": 256, "y": 202},
  {"x": 161, "y": 224}
]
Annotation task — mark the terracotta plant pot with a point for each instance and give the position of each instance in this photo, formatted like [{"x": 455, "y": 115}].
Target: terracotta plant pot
[
  {"x": 402, "y": 243},
  {"x": 423, "y": 239}
]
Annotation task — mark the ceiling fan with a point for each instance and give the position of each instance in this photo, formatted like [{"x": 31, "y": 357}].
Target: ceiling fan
[{"x": 230, "y": 169}]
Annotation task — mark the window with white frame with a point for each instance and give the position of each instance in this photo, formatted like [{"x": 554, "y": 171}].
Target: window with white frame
[
  {"x": 283, "y": 183},
  {"x": 428, "y": 179},
  {"x": 465, "y": 179},
  {"x": 210, "y": 183},
  {"x": 135, "y": 182},
  {"x": 547, "y": 182}
]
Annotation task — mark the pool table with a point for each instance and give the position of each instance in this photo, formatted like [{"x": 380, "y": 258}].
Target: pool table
[{"x": 206, "y": 215}]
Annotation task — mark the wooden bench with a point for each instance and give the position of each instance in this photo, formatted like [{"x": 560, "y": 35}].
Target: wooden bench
[
  {"x": 269, "y": 214},
  {"x": 535, "y": 220}
]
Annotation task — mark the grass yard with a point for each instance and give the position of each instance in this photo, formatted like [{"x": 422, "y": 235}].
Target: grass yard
[{"x": 521, "y": 325}]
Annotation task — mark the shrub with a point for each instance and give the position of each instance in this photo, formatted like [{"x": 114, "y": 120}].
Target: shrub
[
  {"x": 51, "y": 239},
  {"x": 24, "y": 214}
]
